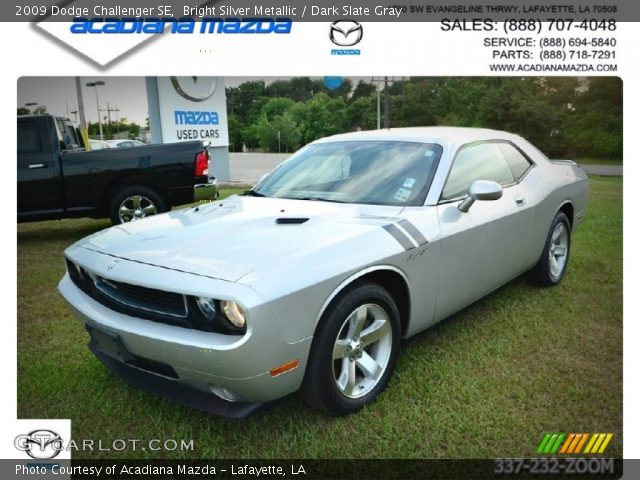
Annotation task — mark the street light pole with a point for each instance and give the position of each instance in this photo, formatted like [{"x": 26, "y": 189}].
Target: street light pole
[
  {"x": 31, "y": 104},
  {"x": 96, "y": 84}
]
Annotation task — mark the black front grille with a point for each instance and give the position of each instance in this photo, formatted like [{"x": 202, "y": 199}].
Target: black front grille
[
  {"x": 141, "y": 302},
  {"x": 148, "y": 303},
  {"x": 142, "y": 298}
]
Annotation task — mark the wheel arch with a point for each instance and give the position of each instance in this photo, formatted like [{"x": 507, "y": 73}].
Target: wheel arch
[
  {"x": 389, "y": 277},
  {"x": 568, "y": 209},
  {"x": 120, "y": 183}
]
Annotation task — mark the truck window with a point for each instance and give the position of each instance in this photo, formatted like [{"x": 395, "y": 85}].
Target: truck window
[{"x": 28, "y": 137}]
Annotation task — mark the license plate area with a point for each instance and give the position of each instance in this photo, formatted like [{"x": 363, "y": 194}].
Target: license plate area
[{"x": 108, "y": 343}]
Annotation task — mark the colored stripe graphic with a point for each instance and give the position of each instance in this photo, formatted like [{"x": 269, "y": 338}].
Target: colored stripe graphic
[
  {"x": 556, "y": 445},
  {"x": 400, "y": 236},
  {"x": 411, "y": 229},
  {"x": 551, "y": 443},
  {"x": 581, "y": 443},
  {"x": 606, "y": 442},
  {"x": 543, "y": 443},
  {"x": 567, "y": 443},
  {"x": 573, "y": 443},
  {"x": 573, "y": 448},
  {"x": 599, "y": 440},
  {"x": 591, "y": 442}
]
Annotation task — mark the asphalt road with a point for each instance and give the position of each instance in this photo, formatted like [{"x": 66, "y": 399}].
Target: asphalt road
[{"x": 249, "y": 167}]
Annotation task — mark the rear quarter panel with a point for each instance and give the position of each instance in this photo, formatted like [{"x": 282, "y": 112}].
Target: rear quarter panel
[{"x": 556, "y": 185}]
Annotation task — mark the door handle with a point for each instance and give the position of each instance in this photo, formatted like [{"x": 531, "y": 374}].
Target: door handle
[
  {"x": 37, "y": 165},
  {"x": 520, "y": 201}
]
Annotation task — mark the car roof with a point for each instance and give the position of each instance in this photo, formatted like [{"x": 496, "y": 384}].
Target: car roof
[{"x": 450, "y": 135}]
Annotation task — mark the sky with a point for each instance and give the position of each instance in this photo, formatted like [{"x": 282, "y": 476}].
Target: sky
[{"x": 128, "y": 94}]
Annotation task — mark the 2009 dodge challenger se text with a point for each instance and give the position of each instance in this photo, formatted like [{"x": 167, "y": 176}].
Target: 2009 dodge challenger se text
[{"x": 310, "y": 280}]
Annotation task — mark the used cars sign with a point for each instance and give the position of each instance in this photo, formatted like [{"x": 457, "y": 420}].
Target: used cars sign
[{"x": 193, "y": 108}]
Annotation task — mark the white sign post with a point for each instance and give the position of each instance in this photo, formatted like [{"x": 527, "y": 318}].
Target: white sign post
[{"x": 191, "y": 108}]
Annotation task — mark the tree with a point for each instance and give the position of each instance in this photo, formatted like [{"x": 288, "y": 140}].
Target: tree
[
  {"x": 362, "y": 114},
  {"x": 363, "y": 90},
  {"x": 323, "y": 116},
  {"x": 235, "y": 132},
  {"x": 596, "y": 119},
  {"x": 280, "y": 134},
  {"x": 563, "y": 116}
]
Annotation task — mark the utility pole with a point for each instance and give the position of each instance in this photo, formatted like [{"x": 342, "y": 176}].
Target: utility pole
[
  {"x": 96, "y": 84},
  {"x": 386, "y": 104},
  {"x": 117, "y": 120},
  {"x": 385, "y": 82},
  {"x": 108, "y": 110}
]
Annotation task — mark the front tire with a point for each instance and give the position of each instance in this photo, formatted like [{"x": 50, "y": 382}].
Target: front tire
[
  {"x": 554, "y": 260},
  {"x": 354, "y": 351}
]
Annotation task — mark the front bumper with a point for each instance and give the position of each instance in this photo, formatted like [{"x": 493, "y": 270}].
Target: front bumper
[
  {"x": 175, "y": 391},
  {"x": 234, "y": 368}
]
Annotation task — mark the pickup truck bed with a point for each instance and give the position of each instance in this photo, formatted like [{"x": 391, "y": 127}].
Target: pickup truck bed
[{"x": 57, "y": 178}]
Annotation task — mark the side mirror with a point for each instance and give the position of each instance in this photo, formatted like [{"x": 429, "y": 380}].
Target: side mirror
[{"x": 481, "y": 190}]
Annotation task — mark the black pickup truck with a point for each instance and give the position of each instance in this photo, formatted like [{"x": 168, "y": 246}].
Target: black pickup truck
[{"x": 58, "y": 178}]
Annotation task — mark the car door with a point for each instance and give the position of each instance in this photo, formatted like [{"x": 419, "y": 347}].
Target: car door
[
  {"x": 480, "y": 249},
  {"x": 40, "y": 189}
]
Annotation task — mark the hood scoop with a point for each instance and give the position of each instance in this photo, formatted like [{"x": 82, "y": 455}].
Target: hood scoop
[{"x": 291, "y": 221}]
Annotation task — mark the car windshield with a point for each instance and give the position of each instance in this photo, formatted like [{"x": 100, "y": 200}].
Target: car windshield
[{"x": 368, "y": 172}]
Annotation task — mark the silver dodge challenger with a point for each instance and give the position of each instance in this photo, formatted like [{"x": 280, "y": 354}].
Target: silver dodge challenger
[{"x": 310, "y": 280}]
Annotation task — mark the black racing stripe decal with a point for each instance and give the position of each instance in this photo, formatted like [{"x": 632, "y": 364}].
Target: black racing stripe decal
[
  {"x": 413, "y": 231},
  {"x": 400, "y": 237}
]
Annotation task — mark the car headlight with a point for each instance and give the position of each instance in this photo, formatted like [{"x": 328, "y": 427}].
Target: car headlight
[
  {"x": 207, "y": 307},
  {"x": 233, "y": 312}
]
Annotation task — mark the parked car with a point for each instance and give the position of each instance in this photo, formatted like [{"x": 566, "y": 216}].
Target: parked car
[
  {"x": 57, "y": 178},
  {"x": 98, "y": 144},
  {"x": 310, "y": 279},
  {"x": 124, "y": 143}
]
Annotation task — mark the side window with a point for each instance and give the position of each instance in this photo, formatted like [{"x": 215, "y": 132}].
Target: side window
[
  {"x": 517, "y": 162},
  {"x": 479, "y": 161},
  {"x": 28, "y": 138}
]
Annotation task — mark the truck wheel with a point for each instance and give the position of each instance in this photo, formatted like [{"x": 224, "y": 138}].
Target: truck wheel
[
  {"x": 354, "y": 351},
  {"x": 133, "y": 203}
]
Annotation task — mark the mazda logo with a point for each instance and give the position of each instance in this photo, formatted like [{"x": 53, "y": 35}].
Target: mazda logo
[
  {"x": 39, "y": 444},
  {"x": 345, "y": 33},
  {"x": 195, "y": 89}
]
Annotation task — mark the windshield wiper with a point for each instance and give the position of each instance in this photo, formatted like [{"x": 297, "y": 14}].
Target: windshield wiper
[
  {"x": 316, "y": 199},
  {"x": 253, "y": 193}
]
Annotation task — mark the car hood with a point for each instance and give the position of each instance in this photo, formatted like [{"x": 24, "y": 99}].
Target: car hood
[{"x": 229, "y": 239}]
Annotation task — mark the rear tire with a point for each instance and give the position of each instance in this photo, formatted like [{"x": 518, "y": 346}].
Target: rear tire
[
  {"x": 354, "y": 351},
  {"x": 134, "y": 203},
  {"x": 554, "y": 260}
]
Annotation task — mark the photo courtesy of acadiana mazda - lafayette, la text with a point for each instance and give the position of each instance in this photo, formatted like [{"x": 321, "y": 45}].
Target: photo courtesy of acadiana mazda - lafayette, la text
[{"x": 310, "y": 280}]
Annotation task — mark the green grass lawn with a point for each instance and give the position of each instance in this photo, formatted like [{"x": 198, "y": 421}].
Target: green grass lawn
[
  {"x": 486, "y": 383},
  {"x": 599, "y": 161}
]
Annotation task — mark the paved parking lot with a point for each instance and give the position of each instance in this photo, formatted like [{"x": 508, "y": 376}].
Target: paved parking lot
[{"x": 249, "y": 167}]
